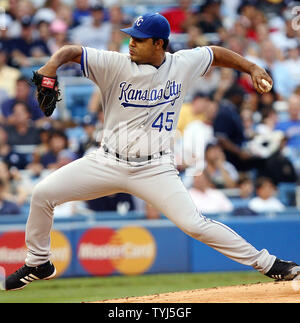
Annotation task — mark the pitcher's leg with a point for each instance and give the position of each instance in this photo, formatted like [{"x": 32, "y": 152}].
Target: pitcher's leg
[
  {"x": 82, "y": 179},
  {"x": 166, "y": 192}
]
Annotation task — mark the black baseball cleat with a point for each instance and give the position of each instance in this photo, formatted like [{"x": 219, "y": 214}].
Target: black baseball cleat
[
  {"x": 283, "y": 270},
  {"x": 25, "y": 275}
]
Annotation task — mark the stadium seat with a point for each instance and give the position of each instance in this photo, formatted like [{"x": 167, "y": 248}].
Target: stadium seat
[
  {"x": 27, "y": 71},
  {"x": 77, "y": 99},
  {"x": 286, "y": 192},
  {"x": 238, "y": 202}
]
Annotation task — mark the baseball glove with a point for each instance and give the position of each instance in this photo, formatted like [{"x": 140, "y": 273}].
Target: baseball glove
[{"x": 47, "y": 92}]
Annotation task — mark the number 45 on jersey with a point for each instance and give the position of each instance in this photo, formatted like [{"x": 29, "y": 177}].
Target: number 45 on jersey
[{"x": 164, "y": 121}]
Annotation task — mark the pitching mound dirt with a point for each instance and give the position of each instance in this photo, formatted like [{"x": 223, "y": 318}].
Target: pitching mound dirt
[{"x": 280, "y": 292}]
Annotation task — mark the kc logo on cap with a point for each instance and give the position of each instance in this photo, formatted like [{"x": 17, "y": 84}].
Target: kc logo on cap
[{"x": 139, "y": 20}]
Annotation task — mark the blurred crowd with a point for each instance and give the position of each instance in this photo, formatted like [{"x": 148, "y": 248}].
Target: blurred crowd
[{"x": 235, "y": 149}]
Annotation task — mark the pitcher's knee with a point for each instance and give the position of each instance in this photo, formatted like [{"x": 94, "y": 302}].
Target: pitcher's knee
[
  {"x": 193, "y": 232},
  {"x": 41, "y": 194},
  {"x": 39, "y": 191},
  {"x": 193, "y": 228}
]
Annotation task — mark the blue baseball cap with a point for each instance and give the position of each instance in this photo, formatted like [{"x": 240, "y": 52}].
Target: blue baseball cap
[{"x": 149, "y": 26}]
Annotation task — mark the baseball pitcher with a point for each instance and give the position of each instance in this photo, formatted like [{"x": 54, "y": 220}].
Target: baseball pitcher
[{"x": 142, "y": 93}]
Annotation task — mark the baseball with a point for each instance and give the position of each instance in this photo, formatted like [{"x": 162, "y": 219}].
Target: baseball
[{"x": 266, "y": 84}]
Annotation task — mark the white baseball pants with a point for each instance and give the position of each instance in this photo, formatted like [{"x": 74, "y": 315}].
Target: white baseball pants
[{"x": 98, "y": 174}]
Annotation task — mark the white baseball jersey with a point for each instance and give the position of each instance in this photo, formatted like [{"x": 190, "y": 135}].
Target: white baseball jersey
[{"x": 141, "y": 103}]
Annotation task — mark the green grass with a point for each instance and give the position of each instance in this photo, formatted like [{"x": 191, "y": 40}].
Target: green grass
[{"x": 76, "y": 290}]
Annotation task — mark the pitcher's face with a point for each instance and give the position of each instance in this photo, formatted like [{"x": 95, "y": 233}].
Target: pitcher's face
[{"x": 142, "y": 50}]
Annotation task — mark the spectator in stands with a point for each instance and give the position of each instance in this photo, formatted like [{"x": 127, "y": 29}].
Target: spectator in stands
[
  {"x": 262, "y": 32},
  {"x": 297, "y": 90},
  {"x": 3, "y": 97},
  {"x": 195, "y": 38},
  {"x": 94, "y": 104},
  {"x": 81, "y": 12},
  {"x": 291, "y": 130},
  {"x": 48, "y": 11},
  {"x": 207, "y": 198},
  {"x": 116, "y": 43},
  {"x": 54, "y": 5},
  {"x": 65, "y": 13},
  {"x": 43, "y": 30},
  {"x": 14, "y": 190},
  {"x": 22, "y": 136},
  {"x": 221, "y": 173},
  {"x": 4, "y": 147},
  {"x": 268, "y": 143},
  {"x": 252, "y": 17},
  {"x": 88, "y": 142},
  {"x": 272, "y": 60},
  {"x": 236, "y": 43},
  {"x": 7, "y": 154},
  {"x": 209, "y": 16},
  {"x": 246, "y": 187},
  {"x": 265, "y": 201},
  {"x": 266, "y": 101},
  {"x": 241, "y": 203},
  {"x": 291, "y": 127},
  {"x": 280, "y": 168},
  {"x": 43, "y": 147},
  {"x": 8, "y": 74},
  {"x": 180, "y": 16},
  {"x": 118, "y": 19},
  {"x": 94, "y": 34},
  {"x": 5, "y": 39},
  {"x": 23, "y": 94},
  {"x": 192, "y": 111},
  {"x": 35, "y": 170},
  {"x": 21, "y": 131},
  {"x": 226, "y": 80},
  {"x": 197, "y": 135},
  {"x": 58, "y": 29},
  {"x": 229, "y": 130},
  {"x": 285, "y": 38},
  {"x": 268, "y": 122},
  {"x": 292, "y": 63},
  {"x": 265, "y": 141},
  {"x": 12, "y": 9},
  {"x": 272, "y": 7},
  {"x": 26, "y": 47},
  {"x": 59, "y": 38},
  {"x": 58, "y": 154},
  {"x": 20, "y": 9},
  {"x": 248, "y": 122},
  {"x": 7, "y": 207}
]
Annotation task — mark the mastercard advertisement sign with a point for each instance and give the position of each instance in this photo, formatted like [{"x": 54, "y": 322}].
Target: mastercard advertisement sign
[
  {"x": 129, "y": 250},
  {"x": 13, "y": 251},
  {"x": 100, "y": 251}
]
